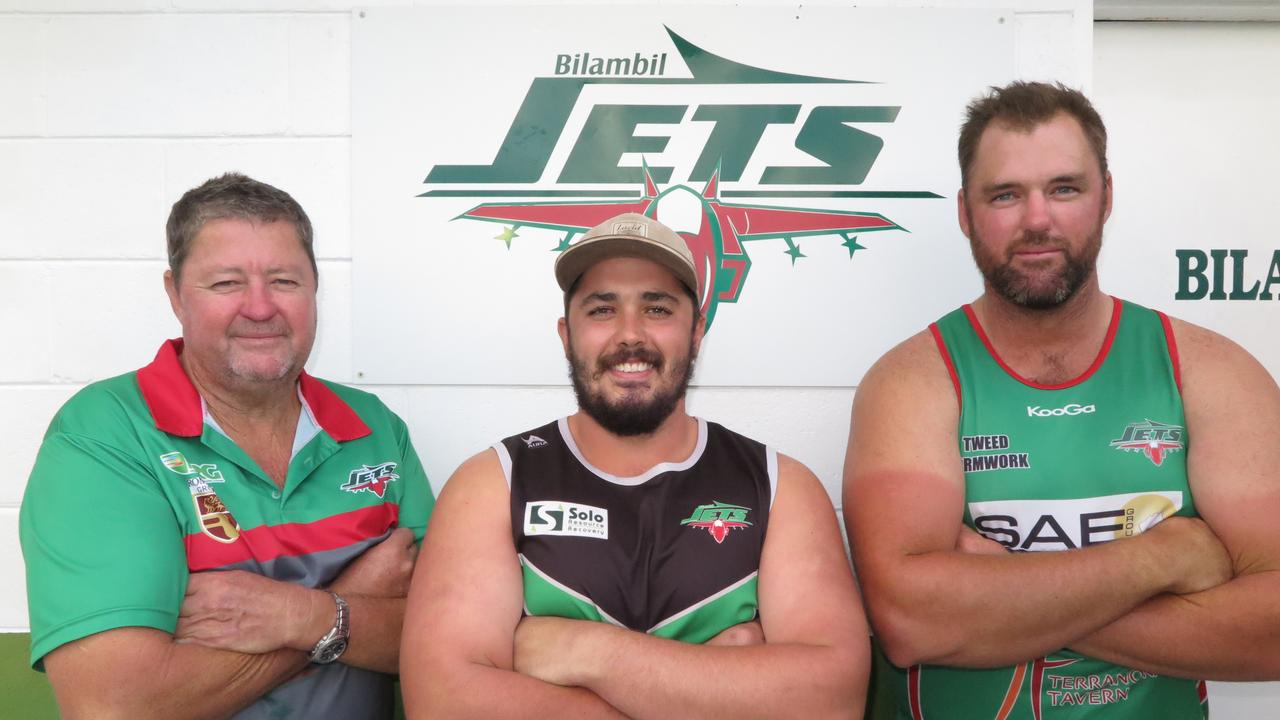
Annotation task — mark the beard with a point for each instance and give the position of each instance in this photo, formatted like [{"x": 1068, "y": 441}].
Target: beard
[
  {"x": 633, "y": 414},
  {"x": 1037, "y": 290}
]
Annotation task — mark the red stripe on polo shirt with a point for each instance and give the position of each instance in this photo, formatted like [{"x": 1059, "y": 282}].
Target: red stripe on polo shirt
[{"x": 268, "y": 542}]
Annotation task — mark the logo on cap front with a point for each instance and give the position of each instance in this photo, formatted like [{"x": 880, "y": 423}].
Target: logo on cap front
[{"x": 631, "y": 228}]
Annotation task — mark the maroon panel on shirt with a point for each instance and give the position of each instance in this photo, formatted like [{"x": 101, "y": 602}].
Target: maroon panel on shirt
[{"x": 267, "y": 542}]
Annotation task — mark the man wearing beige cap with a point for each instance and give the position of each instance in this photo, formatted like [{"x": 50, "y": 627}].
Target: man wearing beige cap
[{"x": 631, "y": 560}]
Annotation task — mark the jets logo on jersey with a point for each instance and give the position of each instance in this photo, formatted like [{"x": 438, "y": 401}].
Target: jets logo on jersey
[
  {"x": 373, "y": 478},
  {"x": 1153, "y": 439},
  {"x": 555, "y": 517},
  {"x": 718, "y": 519}
]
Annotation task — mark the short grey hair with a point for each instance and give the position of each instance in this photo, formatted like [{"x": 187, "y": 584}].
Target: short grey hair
[{"x": 237, "y": 196}]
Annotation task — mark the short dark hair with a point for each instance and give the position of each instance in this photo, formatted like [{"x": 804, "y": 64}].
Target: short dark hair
[
  {"x": 693, "y": 299},
  {"x": 232, "y": 195},
  {"x": 1021, "y": 106}
]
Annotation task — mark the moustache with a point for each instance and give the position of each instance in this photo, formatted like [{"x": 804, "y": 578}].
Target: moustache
[{"x": 1038, "y": 240}]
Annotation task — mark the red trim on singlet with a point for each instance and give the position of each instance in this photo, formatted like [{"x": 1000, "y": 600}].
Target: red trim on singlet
[
  {"x": 268, "y": 542},
  {"x": 913, "y": 692},
  {"x": 1097, "y": 361},
  {"x": 946, "y": 358},
  {"x": 175, "y": 404},
  {"x": 1173, "y": 349}
]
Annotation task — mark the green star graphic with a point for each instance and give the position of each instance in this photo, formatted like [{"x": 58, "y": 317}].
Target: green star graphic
[
  {"x": 851, "y": 242},
  {"x": 794, "y": 251},
  {"x": 506, "y": 235},
  {"x": 564, "y": 243}
]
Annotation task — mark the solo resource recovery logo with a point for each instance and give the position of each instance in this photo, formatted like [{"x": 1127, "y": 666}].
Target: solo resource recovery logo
[{"x": 843, "y": 154}]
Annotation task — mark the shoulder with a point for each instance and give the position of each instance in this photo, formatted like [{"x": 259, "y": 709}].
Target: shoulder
[
  {"x": 916, "y": 367},
  {"x": 479, "y": 478},
  {"x": 1207, "y": 356},
  {"x": 1217, "y": 371},
  {"x": 108, "y": 411},
  {"x": 362, "y": 401}
]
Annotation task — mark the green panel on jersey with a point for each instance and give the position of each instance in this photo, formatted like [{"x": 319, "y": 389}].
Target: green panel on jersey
[
  {"x": 708, "y": 619},
  {"x": 543, "y": 596}
]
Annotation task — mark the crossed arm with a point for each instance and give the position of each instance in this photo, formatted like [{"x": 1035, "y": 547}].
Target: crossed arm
[
  {"x": 1231, "y": 631},
  {"x": 238, "y": 636},
  {"x": 931, "y": 601},
  {"x": 467, "y": 653}
]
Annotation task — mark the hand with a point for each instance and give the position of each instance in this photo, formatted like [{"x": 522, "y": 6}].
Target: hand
[
  {"x": 545, "y": 648},
  {"x": 1196, "y": 556},
  {"x": 974, "y": 543},
  {"x": 244, "y": 612},
  {"x": 384, "y": 570},
  {"x": 747, "y": 633}
]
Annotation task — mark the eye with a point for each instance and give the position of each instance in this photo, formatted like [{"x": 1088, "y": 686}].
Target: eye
[
  {"x": 285, "y": 282},
  {"x": 1005, "y": 196},
  {"x": 1065, "y": 190},
  {"x": 659, "y": 310},
  {"x": 224, "y": 285},
  {"x": 599, "y": 311}
]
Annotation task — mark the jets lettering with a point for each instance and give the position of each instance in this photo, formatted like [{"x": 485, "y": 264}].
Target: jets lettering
[{"x": 845, "y": 154}]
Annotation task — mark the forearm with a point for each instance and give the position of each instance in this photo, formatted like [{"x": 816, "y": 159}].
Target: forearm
[
  {"x": 154, "y": 677},
  {"x": 965, "y": 610},
  {"x": 374, "y": 642},
  {"x": 463, "y": 690},
  {"x": 649, "y": 677},
  {"x": 1230, "y": 632}
]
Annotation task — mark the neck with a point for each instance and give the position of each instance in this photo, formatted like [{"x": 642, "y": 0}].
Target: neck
[
  {"x": 673, "y": 441},
  {"x": 1052, "y": 345},
  {"x": 251, "y": 405}
]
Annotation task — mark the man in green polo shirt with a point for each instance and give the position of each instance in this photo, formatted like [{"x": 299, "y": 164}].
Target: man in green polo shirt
[{"x": 219, "y": 532}]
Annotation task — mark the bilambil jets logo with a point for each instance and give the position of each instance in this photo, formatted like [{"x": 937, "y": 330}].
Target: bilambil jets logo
[
  {"x": 718, "y": 519},
  {"x": 593, "y": 185},
  {"x": 556, "y": 517},
  {"x": 1151, "y": 438}
]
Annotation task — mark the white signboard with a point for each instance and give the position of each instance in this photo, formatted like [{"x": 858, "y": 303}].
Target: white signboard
[{"x": 806, "y": 154}]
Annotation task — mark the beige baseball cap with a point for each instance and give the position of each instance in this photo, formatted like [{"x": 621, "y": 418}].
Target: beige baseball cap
[{"x": 628, "y": 235}]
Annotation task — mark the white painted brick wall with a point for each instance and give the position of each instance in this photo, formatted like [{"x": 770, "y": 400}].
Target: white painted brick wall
[{"x": 110, "y": 109}]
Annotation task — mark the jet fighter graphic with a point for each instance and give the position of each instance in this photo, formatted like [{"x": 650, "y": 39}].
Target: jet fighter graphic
[{"x": 716, "y": 235}]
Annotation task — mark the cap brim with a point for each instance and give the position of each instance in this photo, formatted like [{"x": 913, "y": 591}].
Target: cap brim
[{"x": 575, "y": 261}]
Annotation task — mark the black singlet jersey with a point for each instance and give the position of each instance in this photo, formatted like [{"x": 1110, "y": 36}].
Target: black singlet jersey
[{"x": 674, "y": 552}]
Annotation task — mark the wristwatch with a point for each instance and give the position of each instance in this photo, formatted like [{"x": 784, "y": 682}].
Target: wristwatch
[{"x": 334, "y": 643}]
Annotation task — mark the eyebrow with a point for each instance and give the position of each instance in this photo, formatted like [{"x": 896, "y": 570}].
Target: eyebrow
[
  {"x": 659, "y": 295},
  {"x": 1071, "y": 178}
]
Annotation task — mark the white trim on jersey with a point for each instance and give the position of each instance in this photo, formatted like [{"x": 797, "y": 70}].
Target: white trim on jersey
[{"x": 658, "y": 469}]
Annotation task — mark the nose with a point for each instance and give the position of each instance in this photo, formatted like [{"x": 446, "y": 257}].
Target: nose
[
  {"x": 257, "y": 303},
  {"x": 630, "y": 328},
  {"x": 1037, "y": 217}
]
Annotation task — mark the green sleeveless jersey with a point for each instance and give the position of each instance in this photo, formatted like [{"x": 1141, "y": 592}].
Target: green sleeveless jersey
[{"x": 1059, "y": 467}]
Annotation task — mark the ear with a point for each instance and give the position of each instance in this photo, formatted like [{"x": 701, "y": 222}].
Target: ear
[
  {"x": 171, "y": 289},
  {"x": 562, "y": 327},
  {"x": 699, "y": 331},
  {"x": 1107, "y": 186},
  {"x": 962, "y": 214}
]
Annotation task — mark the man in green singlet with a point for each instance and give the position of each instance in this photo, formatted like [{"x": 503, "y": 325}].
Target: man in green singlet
[
  {"x": 611, "y": 563},
  {"x": 1061, "y": 504}
]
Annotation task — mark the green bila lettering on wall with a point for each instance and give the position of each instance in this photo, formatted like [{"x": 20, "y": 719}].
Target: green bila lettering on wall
[{"x": 1222, "y": 274}]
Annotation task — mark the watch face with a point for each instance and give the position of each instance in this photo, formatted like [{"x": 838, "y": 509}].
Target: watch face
[{"x": 332, "y": 652}]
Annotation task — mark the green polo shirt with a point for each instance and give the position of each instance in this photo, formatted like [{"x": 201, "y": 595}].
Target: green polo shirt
[{"x": 135, "y": 487}]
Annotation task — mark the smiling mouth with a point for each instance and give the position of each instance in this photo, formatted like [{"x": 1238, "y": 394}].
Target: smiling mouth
[{"x": 632, "y": 367}]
